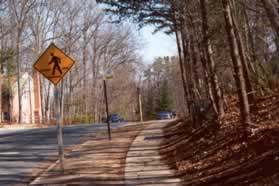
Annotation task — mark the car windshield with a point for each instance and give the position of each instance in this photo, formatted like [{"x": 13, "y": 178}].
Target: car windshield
[
  {"x": 114, "y": 116},
  {"x": 164, "y": 113}
]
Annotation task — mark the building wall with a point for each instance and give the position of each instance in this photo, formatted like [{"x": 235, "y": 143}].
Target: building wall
[
  {"x": 27, "y": 99},
  {"x": 37, "y": 97}
]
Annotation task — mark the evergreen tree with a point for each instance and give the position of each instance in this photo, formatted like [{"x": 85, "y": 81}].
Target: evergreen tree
[{"x": 164, "y": 101}]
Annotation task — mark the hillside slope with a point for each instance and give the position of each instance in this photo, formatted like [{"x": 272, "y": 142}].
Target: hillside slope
[{"x": 213, "y": 155}]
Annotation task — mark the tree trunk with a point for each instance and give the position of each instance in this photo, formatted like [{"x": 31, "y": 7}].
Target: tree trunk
[
  {"x": 140, "y": 104},
  {"x": 178, "y": 43},
  {"x": 70, "y": 100},
  {"x": 9, "y": 92},
  {"x": 84, "y": 72},
  {"x": 201, "y": 53},
  {"x": 197, "y": 87},
  {"x": 94, "y": 81},
  {"x": 18, "y": 73},
  {"x": 217, "y": 94},
  {"x": 207, "y": 80},
  {"x": 1, "y": 76},
  {"x": 240, "y": 81},
  {"x": 41, "y": 100},
  {"x": 187, "y": 66},
  {"x": 272, "y": 14},
  {"x": 251, "y": 43},
  {"x": 243, "y": 58},
  {"x": 41, "y": 104},
  {"x": 182, "y": 73}
]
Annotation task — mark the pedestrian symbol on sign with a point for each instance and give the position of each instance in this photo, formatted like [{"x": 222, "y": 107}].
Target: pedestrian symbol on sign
[
  {"x": 51, "y": 60},
  {"x": 53, "y": 63},
  {"x": 56, "y": 60}
]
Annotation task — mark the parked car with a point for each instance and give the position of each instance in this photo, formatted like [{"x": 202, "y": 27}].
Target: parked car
[
  {"x": 113, "y": 118},
  {"x": 164, "y": 115}
]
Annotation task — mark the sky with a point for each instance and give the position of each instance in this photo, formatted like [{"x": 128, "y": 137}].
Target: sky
[{"x": 155, "y": 45}]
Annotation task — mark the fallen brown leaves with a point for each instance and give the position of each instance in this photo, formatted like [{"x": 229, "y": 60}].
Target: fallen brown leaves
[
  {"x": 213, "y": 155},
  {"x": 97, "y": 161}
]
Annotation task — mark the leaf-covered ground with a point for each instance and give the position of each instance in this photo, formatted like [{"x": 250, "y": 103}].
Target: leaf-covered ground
[{"x": 219, "y": 155}]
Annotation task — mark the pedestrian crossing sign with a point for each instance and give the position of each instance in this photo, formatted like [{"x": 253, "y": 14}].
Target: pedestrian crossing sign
[{"x": 53, "y": 64}]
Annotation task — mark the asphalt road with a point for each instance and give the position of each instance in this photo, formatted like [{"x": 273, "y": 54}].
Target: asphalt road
[{"x": 24, "y": 149}]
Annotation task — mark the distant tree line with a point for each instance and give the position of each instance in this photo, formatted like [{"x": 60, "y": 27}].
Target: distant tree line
[
  {"x": 224, "y": 46},
  {"x": 160, "y": 87}
]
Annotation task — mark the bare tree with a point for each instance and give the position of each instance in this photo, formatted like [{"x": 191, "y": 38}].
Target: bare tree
[
  {"x": 239, "y": 78},
  {"x": 218, "y": 100},
  {"x": 19, "y": 11}
]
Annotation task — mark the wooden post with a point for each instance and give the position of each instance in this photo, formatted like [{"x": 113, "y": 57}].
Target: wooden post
[
  {"x": 59, "y": 128},
  {"x": 107, "y": 110}
]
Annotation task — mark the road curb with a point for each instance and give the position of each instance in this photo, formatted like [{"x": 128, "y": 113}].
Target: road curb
[{"x": 38, "y": 177}]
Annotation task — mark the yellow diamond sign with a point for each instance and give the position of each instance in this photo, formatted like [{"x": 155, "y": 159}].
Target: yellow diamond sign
[{"x": 54, "y": 64}]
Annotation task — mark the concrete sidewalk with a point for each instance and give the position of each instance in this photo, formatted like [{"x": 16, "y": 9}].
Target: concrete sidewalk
[
  {"x": 144, "y": 164},
  {"x": 130, "y": 158}
]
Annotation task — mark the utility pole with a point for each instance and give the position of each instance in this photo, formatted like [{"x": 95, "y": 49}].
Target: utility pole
[
  {"x": 140, "y": 104},
  {"x": 107, "y": 109}
]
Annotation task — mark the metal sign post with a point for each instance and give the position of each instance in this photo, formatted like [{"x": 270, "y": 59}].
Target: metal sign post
[
  {"x": 59, "y": 127},
  {"x": 107, "y": 110},
  {"x": 53, "y": 64}
]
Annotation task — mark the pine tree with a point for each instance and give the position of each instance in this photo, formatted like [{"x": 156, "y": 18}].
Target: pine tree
[{"x": 164, "y": 102}]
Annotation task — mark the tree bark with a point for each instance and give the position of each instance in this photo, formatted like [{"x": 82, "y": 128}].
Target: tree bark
[
  {"x": 182, "y": 72},
  {"x": 239, "y": 78},
  {"x": 217, "y": 94},
  {"x": 187, "y": 65},
  {"x": 197, "y": 88},
  {"x": 207, "y": 80},
  {"x": 243, "y": 58},
  {"x": 180, "y": 59},
  {"x": 201, "y": 53},
  {"x": 84, "y": 53},
  {"x": 18, "y": 73},
  {"x": 94, "y": 84},
  {"x": 1, "y": 82},
  {"x": 272, "y": 15},
  {"x": 41, "y": 99}
]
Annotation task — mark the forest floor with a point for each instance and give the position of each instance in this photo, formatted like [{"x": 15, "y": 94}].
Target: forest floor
[{"x": 219, "y": 155}]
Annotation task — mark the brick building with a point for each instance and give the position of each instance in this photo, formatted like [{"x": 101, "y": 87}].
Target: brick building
[{"x": 30, "y": 98}]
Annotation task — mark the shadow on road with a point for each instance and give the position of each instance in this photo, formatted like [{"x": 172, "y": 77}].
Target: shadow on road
[{"x": 24, "y": 150}]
